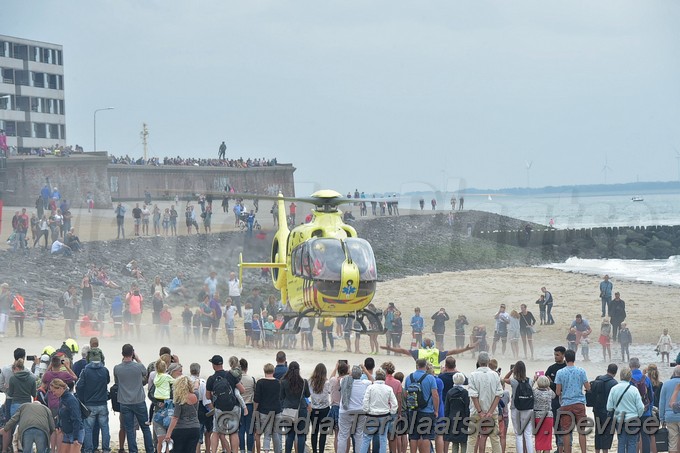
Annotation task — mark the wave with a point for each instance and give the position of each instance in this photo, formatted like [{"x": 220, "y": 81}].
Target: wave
[{"x": 659, "y": 272}]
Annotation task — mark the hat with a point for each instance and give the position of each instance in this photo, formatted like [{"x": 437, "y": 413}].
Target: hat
[
  {"x": 95, "y": 355},
  {"x": 45, "y": 358},
  {"x": 174, "y": 367},
  {"x": 216, "y": 360}
]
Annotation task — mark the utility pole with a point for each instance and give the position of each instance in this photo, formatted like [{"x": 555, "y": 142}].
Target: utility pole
[{"x": 145, "y": 135}]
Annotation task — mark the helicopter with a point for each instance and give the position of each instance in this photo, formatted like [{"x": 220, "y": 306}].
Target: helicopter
[{"x": 321, "y": 268}]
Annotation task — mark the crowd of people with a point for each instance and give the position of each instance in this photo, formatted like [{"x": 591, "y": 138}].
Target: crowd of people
[{"x": 195, "y": 162}]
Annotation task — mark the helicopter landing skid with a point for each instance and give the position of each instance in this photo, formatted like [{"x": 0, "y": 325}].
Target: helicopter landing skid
[{"x": 362, "y": 317}]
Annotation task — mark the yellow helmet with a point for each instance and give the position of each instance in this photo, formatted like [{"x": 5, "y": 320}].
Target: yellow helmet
[
  {"x": 72, "y": 345},
  {"x": 49, "y": 350}
]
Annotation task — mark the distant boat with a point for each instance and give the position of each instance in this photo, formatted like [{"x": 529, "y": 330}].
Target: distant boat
[
  {"x": 490, "y": 198},
  {"x": 637, "y": 198}
]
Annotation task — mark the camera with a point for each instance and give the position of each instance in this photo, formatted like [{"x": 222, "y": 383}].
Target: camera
[
  {"x": 30, "y": 358},
  {"x": 673, "y": 364}
]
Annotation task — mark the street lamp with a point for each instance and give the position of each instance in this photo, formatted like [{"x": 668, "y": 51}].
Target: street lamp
[{"x": 95, "y": 125}]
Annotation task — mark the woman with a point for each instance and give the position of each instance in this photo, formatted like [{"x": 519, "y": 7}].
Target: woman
[
  {"x": 206, "y": 316},
  {"x": 184, "y": 430},
  {"x": 266, "y": 402},
  {"x": 522, "y": 408},
  {"x": 653, "y": 374},
  {"x": 543, "y": 396},
  {"x": 22, "y": 387},
  {"x": 320, "y": 400},
  {"x": 513, "y": 333},
  {"x": 87, "y": 294},
  {"x": 626, "y": 403},
  {"x": 69, "y": 420},
  {"x": 605, "y": 338},
  {"x": 294, "y": 390},
  {"x": 457, "y": 409},
  {"x": 43, "y": 230},
  {"x": 342, "y": 370},
  {"x": 379, "y": 404}
]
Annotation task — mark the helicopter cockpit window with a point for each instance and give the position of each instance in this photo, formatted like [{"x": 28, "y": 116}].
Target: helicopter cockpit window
[
  {"x": 305, "y": 264},
  {"x": 362, "y": 254},
  {"x": 326, "y": 258},
  {"x": 296, "y": 261}
]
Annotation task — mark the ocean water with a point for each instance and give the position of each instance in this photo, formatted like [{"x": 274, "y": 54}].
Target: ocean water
[{"x": 658, "y": 272}]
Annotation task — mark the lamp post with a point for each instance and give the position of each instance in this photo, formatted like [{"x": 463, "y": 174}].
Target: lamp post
[{"x": 95, "y": 125}]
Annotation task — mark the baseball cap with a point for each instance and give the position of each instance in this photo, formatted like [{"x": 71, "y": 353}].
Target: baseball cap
[
  {"x": 216, "y": 360},
  {"x": 95, "y": 355}
]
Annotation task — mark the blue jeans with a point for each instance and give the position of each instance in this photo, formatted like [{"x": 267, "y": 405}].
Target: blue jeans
[
  {"x": 628, "y": 442},
  {"x": 138, "y": 411},
  {"x": 98, "y": 414},
  {"x": 376, "y": 434},
  {"x": 244, "y": 428},
  {"x": 291, "y": 436},
  {"x": 14, "y": 408},
  {"x": 35, "y": 436}
]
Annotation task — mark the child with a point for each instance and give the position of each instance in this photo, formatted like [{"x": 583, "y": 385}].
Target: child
[
  {"x": 605, "y": 338},
  {"x": 585, "y": 350},
  {"x": 196, "y": 324},
  {"x": 40, "y": 315},
  {"x": 248, "y": 322},
  {"x": 162, "y": 382},
  {"x": 664, "y": 346},
  {"x": 417, "y": 325},
  {"x": 166, "y": 317},
  {"x": 541, "y": 307},
  {"x": 229, "y": 315},
  {"x": 94, "y": 350},
  {"x": 278, "y": 334},
  {"x": 625, "y": 338},
  {"x": 269, "y": 331},
  {"x": 397, "y": 329},
  {"x": 256, "y": 331},
  {"x": 186, "y": 322},
  {"x": 571, "y": 339}
]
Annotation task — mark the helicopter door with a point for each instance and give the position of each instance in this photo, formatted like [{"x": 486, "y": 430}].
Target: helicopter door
[
  {"x": 326, "y": 257},
  {"x": 360, "y": 251}
]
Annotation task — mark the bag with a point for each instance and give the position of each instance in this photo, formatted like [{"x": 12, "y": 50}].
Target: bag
[
  {"x": 113, "y": 396},
  {"x": 592, "y": 395},
  {"x": 163, "y": 415},
  {"x": 415, "y": 398},
  {"x": 290, "y": 414},
  {"x": 223, "y": 395},
  {"x": 642, "y": 388},
  {"x": 84, "y": 411},
  {"x": 523, "y": 397},
  {"x": 61, "y": 302},
  {"x": 151, "y": 391},
  {"x": 661, "y": 438}
]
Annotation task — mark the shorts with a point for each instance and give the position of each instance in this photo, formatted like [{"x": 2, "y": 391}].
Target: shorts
[
  {"x": 145, "y": 221},
  {"x": 526, "y": 332},
  {"x": 500, "y": 335},
  {"x": 137, "y": 221},
  {"x": 256, "y": 335},
  {"x": 226, "y": 422},
  {"x": 72, "y": 437},
  {"x": 415, "y": 435},
  {"x": 159, "y": 429},
  {"x": 334, "y": 413},
  {"x": 248, "y": 327},
  {"x": 215, "y": 323},
  {"x": 579, "y": 412},
  {"x": 137, "y": 318}
]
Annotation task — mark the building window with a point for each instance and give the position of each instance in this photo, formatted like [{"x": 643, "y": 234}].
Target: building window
[
  {"x": 23, "y": 129},
  {"x": 4, "y": 49},
  {"x": 39, "y": 79},
  {"x": 52, "y": 81},
  {"x": 10, "y": 128},
  {"x": 114, "y": 184},
  {"x": 62, "y": 132},
  {"x": 20, "y": 51},
  {"x": 54, "y": 131},
  {"x": 8, "y": 75},
  {"x": 21, "y": 77},
  {"x": 60, "y": 58},
  {"x": 60, "y": 82},
  {"x": 40, "y": 130},
  {"x": 22, "y": 103},
  {"x": 61, "y": 107},
  {"x": 34, "y": 53},
  {"x": 5, "y": 102},
  {"x": 35, "y": 104}
]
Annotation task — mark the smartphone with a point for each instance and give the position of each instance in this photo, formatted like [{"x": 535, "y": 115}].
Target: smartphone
[
  {"x": 512, "y": 367},
  {"x": 343, "y": 361},
  {"x": 540, "y": 373},
  {"x": 30, "y": 358},
  {"x": 673, "y": 364},
  {"x": 499, "y": 371}
]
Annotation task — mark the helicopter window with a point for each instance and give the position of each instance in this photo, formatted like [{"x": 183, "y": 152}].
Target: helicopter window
[
  {"x": 304, "y": 259},
  {"x": 326, "y": 258},
  {"x": 296, "y": 262},
  {"x": 362, "y": 254}
]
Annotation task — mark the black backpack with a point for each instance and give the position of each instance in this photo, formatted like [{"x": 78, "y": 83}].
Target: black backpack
[
  {"x": 415, "y": 398},
  {"x": 641, "y": 385},
  {"x": 223, "y": 394},
  {"x": 523, "y": 398},
  {"x": 113, "y": 396}
]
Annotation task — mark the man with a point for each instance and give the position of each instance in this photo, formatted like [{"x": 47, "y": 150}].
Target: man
[
  {"x": 203, "y": 402},
  {"x": 551, "y": 372},
  {"x": 293, "y": 210},
  {"x": 569, "y": 384},
  {"x": 225, "y": 422},
  {"x": 599, "y": 389},
  {"x": 281, "y": 366},
  {"x": 129, "y": 375},
  {"x": 256, "y": 301},
  {"x": 582, "y": 328},
  {"x": 501, "y": 332},
  {"x": 439, "y": 320},
  {"x": 605, "y": 294},
  {"x": 35, "y": 425},
  {"x": 485, "y": 392},
  {"x": 447, "y": 374},
  {"x": 644, "y": 387},
  {"x": 670, "y": 418},
  {"x": 548, "y": 305},
  {"x": 211, "y": 281},
  {"x": 429, "y": 353},
  {"x": 45, "y": 195},
  {"x": 137, "y": 218},
  {"x": 398, "y": 390},
  {"x": 389, "y": 316},
  {"x": 80, "y": 365},
  {"x": 91, "y": 389},
  {"x": 223, "y": 151},
  {"x": 176, "y": 287},
  {"x": 617, "y": 313},
  {"x": 59, "y": 248},
  {"x": 73, "y": 241},
  {"x": 235, "y": 291},
  {"x": 120, "y": 219},
  {"x": 21, "y": 230},
  {"x": 6, "y": 373},
  {"x": 526, "y": 329}
]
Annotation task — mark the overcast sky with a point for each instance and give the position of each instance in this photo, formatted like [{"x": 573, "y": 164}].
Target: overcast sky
[{"x": 380, "y": 96}]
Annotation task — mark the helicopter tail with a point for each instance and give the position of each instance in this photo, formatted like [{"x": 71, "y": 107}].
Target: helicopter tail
[{"x": 242, "y": 265}]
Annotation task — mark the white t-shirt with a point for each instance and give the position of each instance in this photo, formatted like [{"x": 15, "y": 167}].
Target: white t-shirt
[{"x": 234, "y": 288}]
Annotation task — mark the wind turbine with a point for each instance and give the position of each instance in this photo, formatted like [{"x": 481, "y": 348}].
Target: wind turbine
[
  {"x": 677, "y": 156},
  {"x": 605, "y": 169},
  {"x": 528, "y": 164}
]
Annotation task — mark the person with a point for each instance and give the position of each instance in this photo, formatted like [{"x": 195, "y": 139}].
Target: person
[
  {"x": 526, "y": 329},
  {"x": 457, "y": 409},
  {"x": 266, "y": 403},
  {"x": 605, "y": 338},
  {"x": 644, "y": 387},
  {"x": 245, "y": 433},
  {"x": 235, "y": 291},
  {"x": 543, "y": 421},
  {"x": 423, "y": 414},
  {"x": 176, "y": 287},
  {"x": 522, "y": 408},
  {"x": 184, "y": 430},
  {"x": 281, "y": 365},
  {"x": 59, "y": 248},
  {"x": 627, "y": 406},
  {"x": 606, "y": 294},
  {"x": 600, "y": 389},
  {"x": 129, "y": 375},
  {"x": 582, "y": 327},
  {"x": 294, "y": 391},
  {"x": 501, "y": 331},
  {"x": 226, "y": 417},
  {"x": 429, "y": 353},
  {"x": 485, "y": 392},
  {"x": 21, "y": 388},
  {"x": 439, "y": 326},
  {"x": 134, "y": 301},
  {"x": 548, "y": 306},
  {"x": 541, "y": 309},
  {"x": 664, "y": 347},
  {"x": 380, "y": 403},
  {"x": 137, "y": 218},
  {"x": 320, "y": 401},
  {"x": 461, "y": 200},
  {"x": 460, "y": 324},
  {"x": 69, "y": 420},
  {"x": 617, "y": 313},
  {"x": 91, "y": 390},
  {"x": 34, "y": 424},
  {"x": 417, "y": 325},
  {"x": 625, "y": 339},
  {"x": 223, "y": 151},
  {"x": 551, "y": 373},
  {"x": 667, "y": 409},
  {"x": 292, "y": 209},
  {"x": 569, "y": 382},
  {"x": 351, "y": 419}
]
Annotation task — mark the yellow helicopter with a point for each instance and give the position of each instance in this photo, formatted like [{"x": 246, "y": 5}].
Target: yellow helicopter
[{"x": 321, "y": 267}]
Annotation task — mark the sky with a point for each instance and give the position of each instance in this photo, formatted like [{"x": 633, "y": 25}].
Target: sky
[{"x": 383, "y": 96}]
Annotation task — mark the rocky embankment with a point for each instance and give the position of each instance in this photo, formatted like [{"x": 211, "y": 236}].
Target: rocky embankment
[{"x": 405, "y": 245}]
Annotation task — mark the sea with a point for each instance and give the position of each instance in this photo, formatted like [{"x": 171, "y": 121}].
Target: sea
[{"x": 569, "y": 211}]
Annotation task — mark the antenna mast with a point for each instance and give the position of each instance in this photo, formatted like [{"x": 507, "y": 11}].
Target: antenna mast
[{"x": 145, "y": 135}]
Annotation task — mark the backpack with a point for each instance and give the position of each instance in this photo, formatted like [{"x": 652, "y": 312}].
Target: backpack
[
  {"x": 593, "y": 395},
  {"x": 644, "y": 393},
  {"x": 223, "y": 395},
  {"x": 523, "y": 397},
  {"x": 113, "y": 396},
  {"x": 415, "y": 398}
]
